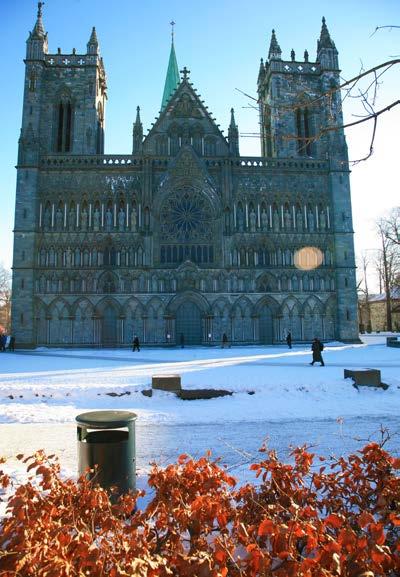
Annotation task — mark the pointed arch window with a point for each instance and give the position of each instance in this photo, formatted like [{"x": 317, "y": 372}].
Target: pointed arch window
[
  {"x": 303, "y": 126},
  {"x": 174, "y": 140},
  {"x": 64, "y": 125},
  {"x": 197, "y": 139},
  {"x": 162, "y": 145},
  {"x": 210, "y": 146},
  {"x": 32, "y": 82}
]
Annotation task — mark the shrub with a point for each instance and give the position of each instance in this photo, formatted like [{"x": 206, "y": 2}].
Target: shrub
[{"x": 308, "y": 518}]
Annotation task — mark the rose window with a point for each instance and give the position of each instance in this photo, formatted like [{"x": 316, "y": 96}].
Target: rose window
[{"x": 186, "y": 216}]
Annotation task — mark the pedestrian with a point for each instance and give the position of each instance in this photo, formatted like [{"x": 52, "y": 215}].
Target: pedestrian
[
  {"x": 136, "y": 344},
  {"x": 289, "y": 339},
  {"x": 224, "y": 341},
  {"x": 317, "y": 347},
  {"x": 3, "y": 340},
  {"x": 182, "y": 340},
  {"x": 11, "y": 345}
]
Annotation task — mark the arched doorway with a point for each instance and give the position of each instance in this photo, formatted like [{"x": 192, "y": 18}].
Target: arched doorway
[
  {"x": 109, "y": 327},
  {"x": 189, "y": 323},
  {"x": 266, "y": 325}
]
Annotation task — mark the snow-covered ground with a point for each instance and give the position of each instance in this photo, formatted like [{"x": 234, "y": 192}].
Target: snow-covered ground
[
  {"x": 53, "y": 386},
  {"x": 42, "y": 391}
]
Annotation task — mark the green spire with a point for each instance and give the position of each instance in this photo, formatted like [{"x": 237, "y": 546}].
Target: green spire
[{"x": 172, "y": 79}]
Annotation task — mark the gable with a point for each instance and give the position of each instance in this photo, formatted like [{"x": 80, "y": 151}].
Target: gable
[{"x": 185, "y": 121}]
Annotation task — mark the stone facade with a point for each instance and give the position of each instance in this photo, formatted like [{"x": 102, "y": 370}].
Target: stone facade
[{"x": 183, "y": 238}]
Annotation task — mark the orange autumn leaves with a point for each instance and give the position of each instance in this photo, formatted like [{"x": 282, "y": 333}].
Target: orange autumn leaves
[{"x": 309, "y": 518}]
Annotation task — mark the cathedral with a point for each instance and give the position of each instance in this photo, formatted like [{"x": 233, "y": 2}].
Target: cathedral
[{"x": 182, "y": 239}]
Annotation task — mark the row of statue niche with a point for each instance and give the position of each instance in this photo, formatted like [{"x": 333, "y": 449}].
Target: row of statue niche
[
  {"x": 96, "y": 219},
  {"x": 276, "y": 224}
]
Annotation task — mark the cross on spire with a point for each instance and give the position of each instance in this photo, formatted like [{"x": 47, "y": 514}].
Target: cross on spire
[
  {"x": 185, "y": 73},
  {"x": 172, "y": 23},
  {"x": 40, "y": 4}
]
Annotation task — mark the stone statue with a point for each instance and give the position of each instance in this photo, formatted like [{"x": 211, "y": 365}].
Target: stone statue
[
  {"x": 94, "y": 257},
  {"x": 322, "y": 220},
  {"x": 121, "y": 219},
  {"x": 275, "y": 220},
  {"x": 47, "y": 219},
  {"x": 96, "y": 219},
  {"x": 108, "y": 219},
  {"x": 264, "y": 220},
  {"x": 299, "y": 220},
  {"x": 288, "y": 219},
  {"x": 134, "y": 220},
  {"x": 240, "y": 221},
  {"x": 310, "y": 220},
  {"x": 68, "y": 257},
  {"x": 71, "y": 219},
  {"x": 84, "y": 219},
  {"x": 77, "y": 257},
  {"x": 59, "y": 219},
  {"x": 253, "y": 221}
]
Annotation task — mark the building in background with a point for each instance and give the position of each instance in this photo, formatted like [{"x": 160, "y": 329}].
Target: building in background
[
  {"x": 372, "y": 312},
  {"x": 183, "y": 236}
]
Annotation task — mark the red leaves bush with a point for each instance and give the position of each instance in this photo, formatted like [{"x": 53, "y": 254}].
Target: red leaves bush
[{"x": 340, "y": 518}]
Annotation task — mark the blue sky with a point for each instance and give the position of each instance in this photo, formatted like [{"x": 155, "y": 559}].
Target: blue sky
[{"x": 221, "y": 42}]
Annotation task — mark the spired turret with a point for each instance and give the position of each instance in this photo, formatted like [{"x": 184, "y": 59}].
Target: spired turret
[
  {"x": 327, "y": 55},
  {"x": 233, "y": 136},
  {"x": 93, "y": 44},
  {"x": 137, "y": 134},
  {"x": 261, "y": 72},
  {"x": 37, "y": 45},
  {"x": 275, "y": 51}
]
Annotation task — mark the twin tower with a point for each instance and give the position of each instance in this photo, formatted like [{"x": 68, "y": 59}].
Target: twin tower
[
  {"x": 65, "y": 99},
  {"x": 182, "y": 235}
]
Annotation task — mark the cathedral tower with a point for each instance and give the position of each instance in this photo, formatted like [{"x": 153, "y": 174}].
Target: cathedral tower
[
  {"x": 301, "y": 118},
  {"x": 63, "y": 113}
]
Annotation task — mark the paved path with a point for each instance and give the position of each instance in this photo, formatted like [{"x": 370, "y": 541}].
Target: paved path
[
  {"x": 395, "y": 363},
  {"x": 236, "y": 443}
]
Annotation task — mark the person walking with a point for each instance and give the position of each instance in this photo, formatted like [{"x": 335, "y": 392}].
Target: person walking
[
  {"x": 317, "y": 347},
  {"x": 3, "y": 340},
  {"x": 136, "y": 344},
  {"x": 224, "y": 341},
  {"x": 289, "y": 339},
  {"x": 11, "y": 344},
  {"x": 182, "y": 340}
]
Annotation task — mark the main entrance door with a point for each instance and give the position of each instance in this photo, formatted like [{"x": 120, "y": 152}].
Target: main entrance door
[
  {"x": 109, "y": 327},
  {"x": 266, "y": 325},
  {"x": 188, "y": 323}
]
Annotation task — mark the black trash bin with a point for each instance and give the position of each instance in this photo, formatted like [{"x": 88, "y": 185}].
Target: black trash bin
[{"x": 110, "y": 446}]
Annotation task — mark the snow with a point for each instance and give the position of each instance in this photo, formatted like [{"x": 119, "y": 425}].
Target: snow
[
  {"x": 53, "y": 386},
  {"x": 42, "y": 391}
]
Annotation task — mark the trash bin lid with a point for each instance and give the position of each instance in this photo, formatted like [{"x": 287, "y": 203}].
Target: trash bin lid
[{"x": 106, "y": 419}]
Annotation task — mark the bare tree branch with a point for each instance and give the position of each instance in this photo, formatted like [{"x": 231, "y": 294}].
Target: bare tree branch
[{"x": 390, "y": 26}]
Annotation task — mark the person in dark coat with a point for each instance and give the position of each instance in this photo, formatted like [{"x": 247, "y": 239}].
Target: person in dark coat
[
  {"x": 11, "y": 344},
  {"x": 224, "y": 341},
  {"x": 3, "y": 340},
  {"x": 289, "y": 340},
  {"x": 182, "y": 340},
  {"x": 317, "y": 347},
  {"x": 136, "y": 344}
]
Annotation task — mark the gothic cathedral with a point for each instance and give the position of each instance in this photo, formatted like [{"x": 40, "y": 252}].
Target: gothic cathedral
[{"x": 182, "y": 238}]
